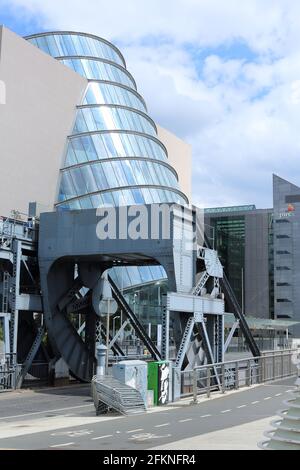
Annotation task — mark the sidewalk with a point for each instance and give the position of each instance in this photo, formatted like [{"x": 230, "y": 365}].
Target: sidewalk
[{"x": 225, "y": 439}]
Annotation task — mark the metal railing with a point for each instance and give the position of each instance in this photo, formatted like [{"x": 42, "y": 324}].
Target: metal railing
[
  {"x": 235, "y": 374},
  {"x": 8, "y": 370},
  {"x": 18, "y": 226}
]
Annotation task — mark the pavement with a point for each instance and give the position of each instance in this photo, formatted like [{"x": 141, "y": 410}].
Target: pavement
[{"x": 65, "y": 418}]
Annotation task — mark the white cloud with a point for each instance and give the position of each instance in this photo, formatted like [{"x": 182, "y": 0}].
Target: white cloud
[{"x": 223, "y": 75}]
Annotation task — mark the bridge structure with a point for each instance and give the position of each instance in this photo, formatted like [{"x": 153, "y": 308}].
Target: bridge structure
[{"x": 63, "y": 260}]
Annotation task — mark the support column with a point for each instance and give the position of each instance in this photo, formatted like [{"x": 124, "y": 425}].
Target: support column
[{"x": 17, "y": 254}]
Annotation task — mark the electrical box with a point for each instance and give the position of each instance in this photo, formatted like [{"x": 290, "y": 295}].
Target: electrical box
[
  {"x": 133, "y": 374},
  {"x": 159, "y": 381}
]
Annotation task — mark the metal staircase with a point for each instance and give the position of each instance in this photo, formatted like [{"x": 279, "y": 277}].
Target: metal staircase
[
  {"x": 108, "y": 392},
  {"x": 184, "y": 342},
  {"x": 31, "y": 355},
  {"x": 117, "y": 295},
  {"x": 116, "y": 348},
  {"x": 200, "y": 284},
  {"x": 15, "y": 286},
  {"x": 72, "y": 348},
  {"x": 5, "y": 291}
]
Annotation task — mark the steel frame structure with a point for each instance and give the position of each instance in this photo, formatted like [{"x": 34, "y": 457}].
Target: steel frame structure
[{"x": 71, "y": 261}]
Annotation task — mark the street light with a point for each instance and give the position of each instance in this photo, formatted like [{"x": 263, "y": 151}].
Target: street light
[{"x": 134, "y": 303}]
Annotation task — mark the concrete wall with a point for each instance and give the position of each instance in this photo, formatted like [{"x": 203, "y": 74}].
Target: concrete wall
[
  {"x": 180, "y": 157},
  {"x": 41, "y": 98}
]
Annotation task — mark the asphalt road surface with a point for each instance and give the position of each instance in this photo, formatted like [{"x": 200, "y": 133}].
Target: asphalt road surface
[{"x": 65, "y": 419}]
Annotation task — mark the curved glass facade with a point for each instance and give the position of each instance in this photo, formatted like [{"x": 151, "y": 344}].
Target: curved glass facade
[
  {"x": 63, "y": 44},
  {"x": 102, "y": 93},
  {"x": 113, "y": 155},
  {"x": 110, "y": 118},
  {"x": 99, "y": 70}
]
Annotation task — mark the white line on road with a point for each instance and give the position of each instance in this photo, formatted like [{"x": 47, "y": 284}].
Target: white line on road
[
  {"x": 226, "y": 411},
  {"x": 289, "y": 391},
  {"x": 161, "y": 425},
  {"x": 205, "y": 416},
  {"x": 135, "y": 430},
  {"x": 242, "y": 406},
  {"x": 185, "y": 420},
  {"x": 63, "y": 445},
  {"x": 46, "y": 411},
  {"x": 254, "y": 402},
  {"x": 278, "y": 394},
  {"x": 267, "y": 398},
  {"x": 101, "y": 437}
]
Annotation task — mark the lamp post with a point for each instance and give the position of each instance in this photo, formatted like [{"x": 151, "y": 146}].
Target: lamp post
[
  {"x": 118, "y": 316},
  {"x": 107, "y": 334}
]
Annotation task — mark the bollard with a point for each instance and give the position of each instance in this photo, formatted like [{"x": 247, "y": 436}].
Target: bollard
[{"x": 101, "y": 359}]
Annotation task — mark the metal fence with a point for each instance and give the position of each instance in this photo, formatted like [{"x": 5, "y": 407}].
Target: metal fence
[
  {"x": 8, "y": 370},
  {"x": 232, "y": 375}
]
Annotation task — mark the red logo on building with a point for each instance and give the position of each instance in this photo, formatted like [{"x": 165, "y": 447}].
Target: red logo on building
[{"x": 291, "y": 208}]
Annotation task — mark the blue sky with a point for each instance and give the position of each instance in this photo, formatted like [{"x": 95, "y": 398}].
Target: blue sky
[{"x": 224, "y": 76}]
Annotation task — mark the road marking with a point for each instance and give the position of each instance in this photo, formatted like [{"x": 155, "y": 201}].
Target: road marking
[
  {"x": 205, "y": 416},
  {"x": 288, "y": 391},
  {"x": 63, "y": 445},
  {"x": 148, "y": 435},
  {"x": 278, "y": 394},
  {"x": 185, "y": 420},
  {"x": 254, "y": 402},
  {"x": 74, "y": 433},
  {"x": 267, "y": 398},
  {"x": 226, "y": 411},
  {"x": 242, "y": 406},
  {"x": 101, "y": 437},
  {"x": 46, "y": 411},
  {"x": 161, "y": 425},
  {"x": 135, "y": 430}
]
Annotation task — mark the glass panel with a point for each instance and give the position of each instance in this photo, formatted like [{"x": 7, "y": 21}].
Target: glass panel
[
  {"x": 89, "y": 147},
  {"x": 76, "y": 44},
  {"x": 106, "y": 118},
  {"x": 70, "y": 157},
  {"x": 100, "y": 177},
  {"x": 79, "y": 182},
  {"x": 97, "y": 70},
  {"x": 138, "y": 196},
  {"x": 128, "y": 172},
  {"x": 110, "y": 175},
  {"x": 89, "y": 179},
  {"x": 79, "y": 150},
  {"x": 67, "y": 190},
  {"x": 104, "y": 93}
]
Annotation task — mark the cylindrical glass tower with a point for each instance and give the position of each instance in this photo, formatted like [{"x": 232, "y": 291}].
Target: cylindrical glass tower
[{"x": 113, "y": 155}]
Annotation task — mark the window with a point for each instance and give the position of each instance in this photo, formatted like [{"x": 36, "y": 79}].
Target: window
[{"x": 292, "y": 198}]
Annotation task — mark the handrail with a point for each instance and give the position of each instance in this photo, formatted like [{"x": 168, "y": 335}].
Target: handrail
[{"x": 276, "y": 352}]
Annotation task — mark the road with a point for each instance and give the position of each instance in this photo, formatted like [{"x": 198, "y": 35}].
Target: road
[{"x": 65, "y": 419}]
